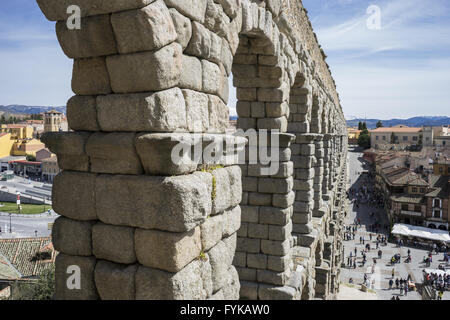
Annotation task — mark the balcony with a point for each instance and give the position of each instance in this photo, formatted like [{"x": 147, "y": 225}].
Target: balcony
[{"x": 411, "y": 213}]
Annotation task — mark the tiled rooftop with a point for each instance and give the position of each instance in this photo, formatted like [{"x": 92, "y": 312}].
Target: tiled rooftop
[{"x": 30, "y": 256}]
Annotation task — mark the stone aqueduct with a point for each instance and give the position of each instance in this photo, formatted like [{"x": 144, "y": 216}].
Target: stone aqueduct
[{"x": 145, "y": 74}]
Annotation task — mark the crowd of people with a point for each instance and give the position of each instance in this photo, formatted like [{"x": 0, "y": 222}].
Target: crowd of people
[{"x": 440, "y": 282}]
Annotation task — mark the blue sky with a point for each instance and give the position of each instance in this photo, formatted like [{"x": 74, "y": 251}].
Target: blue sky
[{"x": 401, "y": 70}]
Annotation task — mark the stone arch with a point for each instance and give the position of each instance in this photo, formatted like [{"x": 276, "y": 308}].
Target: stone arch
[{"x": 151, "y": 76}]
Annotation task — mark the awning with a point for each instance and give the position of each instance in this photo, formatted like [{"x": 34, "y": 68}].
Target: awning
[
  {"x": 421, "y": 232},
  {"x": 438, "y": 272}
]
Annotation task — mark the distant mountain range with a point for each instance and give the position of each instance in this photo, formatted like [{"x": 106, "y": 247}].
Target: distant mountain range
[
  {"x": 27, "y": 110},
  {"x": 411, "y": 122}
]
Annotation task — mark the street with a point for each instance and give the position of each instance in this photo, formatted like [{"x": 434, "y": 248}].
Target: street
[
  {"x": 383, "y": 268},
  {"x": 24, "y": 226}
]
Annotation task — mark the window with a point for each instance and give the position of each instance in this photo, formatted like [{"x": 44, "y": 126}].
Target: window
[
  {"x": 422, "y": 190},
  {"x": 415, "y": 138},
  {"x": 437, "y": 214},
  {"x": 437, "y": 203},
  {"x": 441, "y": 170},
  {"x": 384, "y": 138},
  {"x": 405, "y": 138},
  {"x": 414, "y": 190},
  {"x": 405, "y": 207},
  {"x": 427, "y": 139},
  {"x": 417, "y": 208},
  {"x": 376, "y": 138}
]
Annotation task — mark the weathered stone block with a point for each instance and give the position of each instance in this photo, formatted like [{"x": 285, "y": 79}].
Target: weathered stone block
[
  {"x": 250, "y": 214},
  {"x": 248, "y": 245},
  {"x": 192, "y": 73},
  {"x": 156, "y": 153},
  {"x": 274, "y": 216},
  {"x": 232, "y": 285},
  {"x": 194, "y": 9},
  {"x": 211, "y": 231},
  {"x": 249, "y": 290},
  {"x": 259, "y": 199},
  {"x": 273, "y": 185},
  {"x": 146, "y": 29},
  {"x": 175, "y": 204},
  {"x": 115, "y": 281},
  {"x": 160, "y": 111},
  {"x": 192, "y": 283},
  {"x": 113, "y": 153},
  {"x": 82, "y": 113},
  {"x": 113, "y": 243},
  {"x": 283, "y": 200},
  {"x": 275, "y": 248},
  {"x": 272, "y": 277},
  {"x": 221, "y": 259},
  {"x": 204, "y": 44},
  {"x": 95, "y": 38},
  {"x": 57, "y": 9},
  {"x": 72, "y": 237},
  {"x": 90, "y": 77},
  {"x": 179, "y": 249},
  {"x": 197, "y": 110},
  {"x": 258, "y": 231},
  {"x": 146, "y": 71},
  {"x": 278, "y": 263},
  {"x": 183, "y": 27},
  {"x": 257, "y": 261},
  {"x": 218, "y": 115},
  {"x": 64, "y": 270},
  {"x": 246, "y": 274},
  {"x": 228, "y": 188},
  {"x": 73, "y": 195},
  {"x": 211, "y": 77},
  {"x": 270, "y": 292},
  {"x": 280, "y": 233},
  {"x": 231, "y": 221}
]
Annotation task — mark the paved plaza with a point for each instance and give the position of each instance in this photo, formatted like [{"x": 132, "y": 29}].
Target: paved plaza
[
  {"x": 25, "y": 226},
  {"x": 383, "y": 268}
]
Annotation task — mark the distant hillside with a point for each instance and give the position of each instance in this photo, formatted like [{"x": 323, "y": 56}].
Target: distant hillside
[
  {"x": 26, "y": 110},
  {"x": 411, "y": 122}
]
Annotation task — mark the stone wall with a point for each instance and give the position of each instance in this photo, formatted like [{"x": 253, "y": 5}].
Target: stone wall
[{"x": 151, "y": 75}]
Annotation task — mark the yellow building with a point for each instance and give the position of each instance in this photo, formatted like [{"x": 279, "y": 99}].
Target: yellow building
[
  {"x": 17, "y": 131},
  {"x": 353, "y": 135},
  {"x": 17, "y": 140},
  {"x": 6, "y": 144}
]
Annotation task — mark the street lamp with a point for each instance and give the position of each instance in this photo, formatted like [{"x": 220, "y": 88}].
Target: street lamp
[{"x": 10, "y": 225}]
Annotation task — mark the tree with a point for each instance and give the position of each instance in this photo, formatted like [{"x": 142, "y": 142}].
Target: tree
[
  {"x": 43, "y": 289},
  {"x": 420, "y": 142},
  {"x": 364, "y": 139},
  {"x": 364, "y": 126},
  {"x": 392, "y": 138},
  {"x": 379, "y": 124},
  {"x": 360, "y": 126}
]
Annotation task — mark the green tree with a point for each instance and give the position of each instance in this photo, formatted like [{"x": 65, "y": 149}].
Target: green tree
[
  {"x": 420, "y": 142},
  {"x": 364, "y": 139},
  {"x": 379, "y": 124},
  {"x": 392, "y": 138},
  {"x": 364, "y": 126},
  {"x": 360, "y": 126},
  {"x": 42, "y": 289}
]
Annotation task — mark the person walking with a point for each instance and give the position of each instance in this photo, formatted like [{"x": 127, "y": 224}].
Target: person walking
[
  {"x": 393, "y": 273},
  {"x": 391, "y": 283}
]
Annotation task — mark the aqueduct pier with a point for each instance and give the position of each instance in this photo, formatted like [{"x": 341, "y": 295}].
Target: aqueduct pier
[{"x": 149, "y": 73}]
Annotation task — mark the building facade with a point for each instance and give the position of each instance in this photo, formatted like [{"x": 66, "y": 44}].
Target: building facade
[{"x": 401, "y": 135}]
